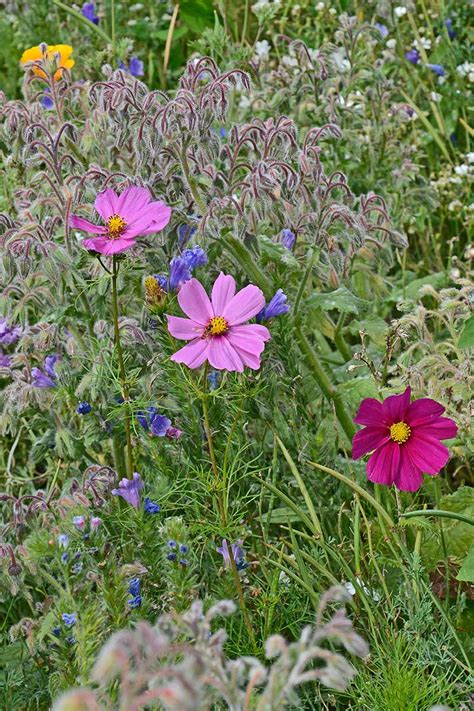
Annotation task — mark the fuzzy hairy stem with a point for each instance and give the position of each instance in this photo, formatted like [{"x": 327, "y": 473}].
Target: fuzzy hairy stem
[{"x": 122, "y": 374}]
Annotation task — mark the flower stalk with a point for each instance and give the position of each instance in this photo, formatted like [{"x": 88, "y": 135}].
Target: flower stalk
[{"x": 122, "y": 373}]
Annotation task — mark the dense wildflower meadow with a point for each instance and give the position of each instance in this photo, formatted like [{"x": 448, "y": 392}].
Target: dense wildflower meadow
[{"x": 236, "y": 333}]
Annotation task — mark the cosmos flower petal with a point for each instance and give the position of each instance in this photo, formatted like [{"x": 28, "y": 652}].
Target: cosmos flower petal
[
  {"x": 370, "y": 412},
  {"x": 439, "y": 427},
  {"x": 131, "y": 202},
  {"x": 223, "y": 356},
  {"x": 193, "y": 354},
  {"x": 368, "y": 439},
  {"x": 106, "y": 203},
  {"x": 222, "y": 293},
  {"x": 79, "y": 223},
  {"x": 409, "y": 477},
  {"x": 423, "y": 410},
  {"x": 160, "y": 214},
  {"x": 382, "y": 467},
  {"x": 427, "y": 453},
  {"x": 396, "y": 406},
  {"x": 108, "y": 246},
  {"x": 183, "y": 328},
  {"x": 195, "y": 302},
  {"x": 244, "y": 305}
]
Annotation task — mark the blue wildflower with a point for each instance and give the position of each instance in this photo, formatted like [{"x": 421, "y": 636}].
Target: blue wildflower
[
  {"x": 83, "y": 408},
  {"x": 88, "y": 10},
  {"x": 69, "y": 619},
  {"x": 63, "y": 540},
  {"x": 46, "y": 101},
  {"x": 194, "y": 257},
  {"x": 46, "y": 378},
  {"x": 134, "y": 587},
  {"x": 134, "y": 602},
  {"x": 413, "y": 56},
  {"x": 288, "y": 239},
  {"x": 276, "y": 307},
  {"x": 213, "y": 379},
  {"x": 157, "y": 424},
  {"x": 437, "y": 69},
  {"x": 382, "y": 29},
  {"x": 449, "y": 26},
  {"x": 150, "y": 507}
]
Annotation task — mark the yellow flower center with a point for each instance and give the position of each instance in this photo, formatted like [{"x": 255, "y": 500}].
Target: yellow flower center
[
  {"x": 115, "y": 226},
  {"x": 216, "y": 326},
  {"x": 400, "y": 432}
]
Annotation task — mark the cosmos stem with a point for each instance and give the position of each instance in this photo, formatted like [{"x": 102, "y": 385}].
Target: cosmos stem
[
  {"x": 223, "y": 516},
  {"x": 122, "y": 374}
]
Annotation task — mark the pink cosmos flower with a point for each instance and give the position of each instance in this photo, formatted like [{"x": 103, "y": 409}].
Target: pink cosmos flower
[
  {"x": 404, "y": 438},
  {"x": 215, "y": 328},
  {"x": 126, "y": 216}
]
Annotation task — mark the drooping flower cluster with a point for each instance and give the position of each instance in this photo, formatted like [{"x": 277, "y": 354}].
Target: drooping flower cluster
[
  {"x": 216, "y": 328},
  {"x": 126, "y": 216},
  {"x": 404, "y": 438}
]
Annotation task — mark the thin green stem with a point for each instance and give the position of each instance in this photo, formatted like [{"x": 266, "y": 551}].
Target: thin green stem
[{"x": 122, "y": 374}]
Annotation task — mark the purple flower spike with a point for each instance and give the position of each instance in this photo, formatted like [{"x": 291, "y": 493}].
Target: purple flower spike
[
  {"x": 47, "y": 377},
  {"x": 129, "y": 489},
  {"x": 136, "y": 67},
  {"x": 88, "y": 10},
  {"x": 288, "y": 239},
  {"x": 382, "y": 29},
  {"x": 276, "y": 307},
  {"x": 413, "y": 56},
  {"x": 8, "y": 334}
]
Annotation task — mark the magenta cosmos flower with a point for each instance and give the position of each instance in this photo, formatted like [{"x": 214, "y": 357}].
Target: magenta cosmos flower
[
  {"x": 404, "y": 438},
  {"x": 126, "y": 216},
  {"x": 215, "y": 327}
]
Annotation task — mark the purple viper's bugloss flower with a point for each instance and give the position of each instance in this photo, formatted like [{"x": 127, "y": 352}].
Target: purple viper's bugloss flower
[
  {"x": 8, "y": 334},
  {"x": 288, "y": 239},
  {"x": 151, "y": 507},
  {"x": 449, "y": 26},
  {"x": 135, "y": 66},
  {"x": 194, "y": 257},
  {"x": 129, "y": 489},
  {"x": 382, "y": 29},
  {"x": 45, "y": 378},
  {"x": 83, "y": 408},
  {"x": 88, "y": 10},
  {"x": 276, "y": 307},
  {"x": 413, "y": 56},
  {"x": 437, "y": 69}
]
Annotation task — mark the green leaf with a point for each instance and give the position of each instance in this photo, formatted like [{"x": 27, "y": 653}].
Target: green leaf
[
  {"x": 466, "y": 339},
  {"x": 467, "y": 569},
  {"x": 341, "y": 300}
]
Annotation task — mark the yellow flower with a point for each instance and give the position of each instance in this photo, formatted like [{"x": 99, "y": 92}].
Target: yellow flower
[{"x": 34, "y": 54}]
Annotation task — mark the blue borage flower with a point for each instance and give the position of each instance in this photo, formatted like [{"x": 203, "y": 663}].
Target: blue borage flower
[
  {"x": 276, "y": 307},
  {"x": 69, "y": 618},
  {"x": 47, "y": 377}
]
